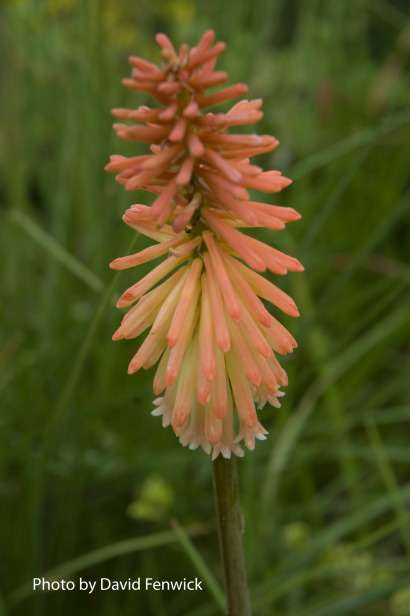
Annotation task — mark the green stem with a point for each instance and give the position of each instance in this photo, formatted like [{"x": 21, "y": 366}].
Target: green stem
[{"x": 230, "y": 529}]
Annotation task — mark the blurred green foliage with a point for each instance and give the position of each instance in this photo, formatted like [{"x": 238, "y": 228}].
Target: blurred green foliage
[
  {"x": 154, "y": 501},
  {"x": 326, "y": 498}
]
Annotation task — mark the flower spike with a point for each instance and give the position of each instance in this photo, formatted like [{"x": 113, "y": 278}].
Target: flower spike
[{"x": 209, "y": 329}]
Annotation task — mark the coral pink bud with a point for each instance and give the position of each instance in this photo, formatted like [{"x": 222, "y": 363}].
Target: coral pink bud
[
  {"x": 144, "y": 65},
  {"x": 222, "y": 335},
  {"x": 222, "y": 165},
  {"x": 185, "y": 173},
  {"x": 203, "y": 388},
  {"x": 164, "y": 157},
  {"x": 201, "y": 81},
  {"x": 195, "y": 145},
  {"x": 162, "y": 205},
  {"x": 190, "y": 289},
  {"x": 205, "y": 41},
  {"x": 216, "y": 268},
  {"x": 168, "y": 113},
  {"x": 223, "y": 95},
  {"x": 271, "y": 181},
  {"x": 164, "y": 42},
  {"x": 192, "y": 110},
  {"x": 144, "y": 255},
  {"x": 200, "y": 57}
]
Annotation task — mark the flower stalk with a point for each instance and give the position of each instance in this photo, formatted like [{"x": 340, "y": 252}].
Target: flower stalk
[
  {"x": 230, "y": 531},
  {"x": 210, "y": 334}
]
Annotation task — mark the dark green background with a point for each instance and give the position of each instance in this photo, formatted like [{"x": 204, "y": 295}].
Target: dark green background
[{"x": 83, "y": 464}]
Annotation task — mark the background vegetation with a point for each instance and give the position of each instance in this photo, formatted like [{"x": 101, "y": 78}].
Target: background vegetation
[{"x": 84, "y": 465}]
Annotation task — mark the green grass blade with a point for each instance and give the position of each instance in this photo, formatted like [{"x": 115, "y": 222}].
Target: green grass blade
[
  {"x": 200, "y": 565},
  {"x": 350, "y": 144},
  {"x": 54, "y": 248},
  {"x": 389, "y": 478}
]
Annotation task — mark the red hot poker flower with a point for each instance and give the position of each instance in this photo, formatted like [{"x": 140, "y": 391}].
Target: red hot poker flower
[{"x": 214, "y": 339}]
